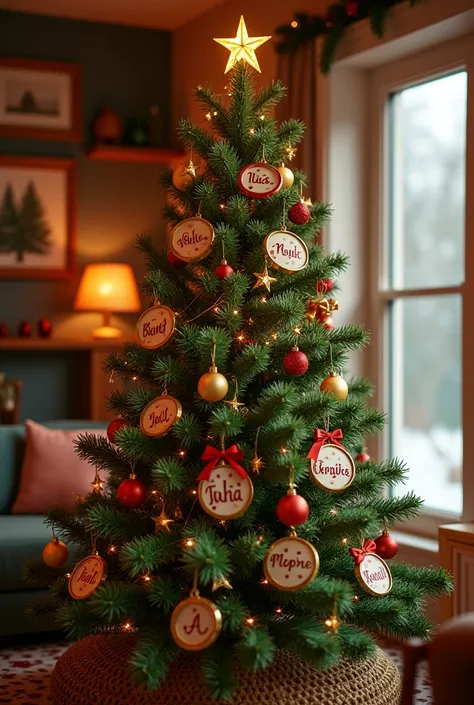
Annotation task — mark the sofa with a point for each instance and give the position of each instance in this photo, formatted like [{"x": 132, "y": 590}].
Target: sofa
[{"x": 22, "y": 536}]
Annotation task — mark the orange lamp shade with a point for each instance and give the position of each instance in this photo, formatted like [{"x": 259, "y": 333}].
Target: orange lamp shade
[{"x": 107, "y": 287}]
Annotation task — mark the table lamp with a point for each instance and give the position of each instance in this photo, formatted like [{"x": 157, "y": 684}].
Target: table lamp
[{"x": 107, "y": 288}]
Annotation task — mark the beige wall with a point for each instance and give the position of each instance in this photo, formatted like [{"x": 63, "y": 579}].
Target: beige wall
[{"x": 198, "y": 60}]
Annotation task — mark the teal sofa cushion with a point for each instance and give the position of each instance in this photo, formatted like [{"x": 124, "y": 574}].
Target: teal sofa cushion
[{"x": 22, "y": 537}]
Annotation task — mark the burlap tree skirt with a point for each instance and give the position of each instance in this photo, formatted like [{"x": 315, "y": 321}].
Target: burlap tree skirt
[{"x": 95, "y": 671}]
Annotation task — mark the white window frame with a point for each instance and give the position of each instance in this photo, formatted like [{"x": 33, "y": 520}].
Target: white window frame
[{"x": 443, "y": 59}]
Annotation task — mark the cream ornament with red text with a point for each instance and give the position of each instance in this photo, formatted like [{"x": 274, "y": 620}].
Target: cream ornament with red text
[
  {"x": 87, "y": 576},
  {"x": 225, "y": 490},
  {"x": 155, "y": 326},
  {"x": 371, "y": 571},
  {"x": 291, "y": 563},
  {"x": 332, "y": 467},
  {"x": 192, "y": 239},
  {"x": 286, "y": 251},
  {"x": 160, "y": 415},
  {"x": 260, "y": 180},
  {"x": 195, "y": 622}
]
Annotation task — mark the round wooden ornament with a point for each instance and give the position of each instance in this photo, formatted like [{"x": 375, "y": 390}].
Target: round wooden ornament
[
  {"x": 291, "y": 563},
  {"x": 155, "y": 326},
  {"x": 87, "y": 576},
  {"x": 260, "y": 180},
  {"x": 195, "y": 623},
  {"x": 374, "y": 575},
  {"x": 334, "y": 469},
  {"x": 226, "y": 494},
  {"x": 286, "y": 251},
  {"x": 159, "y": 415},
  {"x": 192, "y": 239}
]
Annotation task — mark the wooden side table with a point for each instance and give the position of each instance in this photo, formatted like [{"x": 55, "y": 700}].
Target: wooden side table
[{"x": 456, "y": 553}]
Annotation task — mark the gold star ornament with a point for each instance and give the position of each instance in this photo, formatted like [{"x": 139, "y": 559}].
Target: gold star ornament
[
  {"x": 162, "y": 522},
  {"x": 242, "y": 47},
  {"x": 264, "y": 279},
  {"x": 257, "y": 464},
  {"x": 221, "y": 583}
]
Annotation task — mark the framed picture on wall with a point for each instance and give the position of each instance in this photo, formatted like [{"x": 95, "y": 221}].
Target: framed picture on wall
[
  {"x": 37, "y": 217},
  {"x": 40, "y": 100}
]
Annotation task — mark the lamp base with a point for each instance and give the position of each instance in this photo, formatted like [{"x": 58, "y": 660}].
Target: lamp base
[{"x": 107, "y": 332}]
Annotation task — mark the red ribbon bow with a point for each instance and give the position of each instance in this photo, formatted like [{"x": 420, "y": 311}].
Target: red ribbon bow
[
  {"x": 229, "y": 455},
  {"x": 321, "y": 437},
  {"x": 360, "y": 553}
]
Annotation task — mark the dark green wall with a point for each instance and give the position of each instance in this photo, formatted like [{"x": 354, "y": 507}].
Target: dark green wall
[{"x": 128, "y": 69}]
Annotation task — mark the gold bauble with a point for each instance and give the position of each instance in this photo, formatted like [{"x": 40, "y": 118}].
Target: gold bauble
[
  {"x": 213, "y": 386},
  {"x": 335, "y": 385},
  {"x": 288, "y": 176},
  {"x": 55, "y": 553},
  {"x": 181, "y": 179}
]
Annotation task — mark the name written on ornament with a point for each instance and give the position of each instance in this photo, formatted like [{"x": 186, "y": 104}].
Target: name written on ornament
[
  {"x": 290, "y": 252},
  {"x": 257, "y": 179},
  {"x": 192, "y": 238},
  {"x": 221, "y": 495},
  {"x": 337, "y": 470},
  {"x": 279, "y": 560},
  {"x": 150, "y": 328},
  {"x": 371, "y": 578},
  {"x": 195, "y": 626},
  {"x": 162, "y": 416},
  {"x": 89, "y": 578}
]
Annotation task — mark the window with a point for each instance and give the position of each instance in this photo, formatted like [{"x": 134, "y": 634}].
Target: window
[{"x": 421, "y": 107}]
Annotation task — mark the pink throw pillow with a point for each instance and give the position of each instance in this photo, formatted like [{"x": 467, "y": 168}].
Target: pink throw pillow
[{"x": 52, "y": 473}]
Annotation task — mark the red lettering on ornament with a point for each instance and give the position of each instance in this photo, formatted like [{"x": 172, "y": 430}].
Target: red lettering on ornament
[
  {"x": 291, "y": 253},
  {"x": 257, "y": 179},
  {"x": 150, "y": 330},
  {"x": 225, "y": 494},
  {"x": 89, "y": 578},
  {"x": 190, "y": 239},
  {"x": 370, "y": 578},
  {"x": 195, "y": 626},
  {"x": 162, "y": 417},
  {"x": 279, "y": 560},
  {"x": 332, "y": 470}
]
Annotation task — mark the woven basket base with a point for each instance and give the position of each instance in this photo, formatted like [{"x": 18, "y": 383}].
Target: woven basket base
[{"x": 95, "y": 671}]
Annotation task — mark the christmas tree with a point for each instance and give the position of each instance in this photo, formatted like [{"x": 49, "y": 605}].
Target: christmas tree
[
  {"x": 8, "y": 219},
  {"x": 234, "y": 520},
  {"x": 32, "y": 229}
]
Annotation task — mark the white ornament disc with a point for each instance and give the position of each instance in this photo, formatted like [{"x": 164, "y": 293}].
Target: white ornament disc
[
  {"x": 334, "y": 470},
  {"x": 159, "y": 415},
  {"x": 374, "y": 576},
  {"x": 291, "y": 563},
  {"x": 155, "y": 327},
  {"x": 225, "y": 495},
  {"x": 195, "y": 623},
  {"x": 87, "y": 576},
  {"x": 192, "y": 239},
  {"x": 260, "y": 180},
  {"x": 286, "y": 251}
]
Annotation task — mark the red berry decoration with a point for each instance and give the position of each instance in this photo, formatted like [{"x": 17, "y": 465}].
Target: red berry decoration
[
  {"x": 175, "y": 261},
  {"x": 295, "y": 362},
  {"x": 363, "y": 457},
  {"x": 131, "y": 492},
  {"x": 387, "y": 547},
  {"x": 299, "y": 214},
  {"x": 292, "y": 509},
  {"x": 223, "y": 270},
  {"x": 115, "y": 426}
]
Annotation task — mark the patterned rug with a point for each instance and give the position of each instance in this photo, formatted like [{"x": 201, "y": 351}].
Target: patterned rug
[{"x": 25, "y": 671}]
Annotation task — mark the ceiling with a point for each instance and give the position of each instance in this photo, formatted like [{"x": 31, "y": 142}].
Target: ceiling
[{"x": 161, "y": 14}]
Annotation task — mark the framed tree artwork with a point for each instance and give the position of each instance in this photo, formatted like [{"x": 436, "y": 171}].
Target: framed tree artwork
[
  {"x": 37, "y": 217},
  {"x": 40, "y": 99}
]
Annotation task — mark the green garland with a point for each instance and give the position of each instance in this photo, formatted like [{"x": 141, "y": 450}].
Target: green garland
[{"x": 305, "y": 28}]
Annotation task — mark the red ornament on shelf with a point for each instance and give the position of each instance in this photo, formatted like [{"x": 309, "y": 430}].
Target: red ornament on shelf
[
  {"x": 292, "y": 509},
  {"x": 44, "y": 328},
  {"x": 175, "y": 261},
  {"x": 299, "y": 214},
  {"x": 352, "y": 8},
  {"x": 3, "y": 330},
  {"x": 24, "y": 329},
  {"x": 295, "y": 362},
  {"x": 387, "y": 547},
  {"x": 223, "y": 270},
  {"x": 115, "y": 426},
  {"x": 131, "y": 492},
  {"x": 362, "y": 457}
]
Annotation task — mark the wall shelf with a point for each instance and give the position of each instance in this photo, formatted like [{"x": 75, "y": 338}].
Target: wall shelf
[
  {"x": 121, "y": 153},
  {"x": 61, "y": 343}
]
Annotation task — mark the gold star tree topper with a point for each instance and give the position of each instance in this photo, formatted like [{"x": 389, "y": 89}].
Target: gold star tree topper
[{"x": 242, "y": 47}]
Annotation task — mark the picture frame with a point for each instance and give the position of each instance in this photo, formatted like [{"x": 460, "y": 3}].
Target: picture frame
[
  {"x": 40, "y": 100},
  {"x": 37, "y": 217}
]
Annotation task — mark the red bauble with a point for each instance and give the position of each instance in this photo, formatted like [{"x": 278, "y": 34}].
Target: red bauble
[
  {"x": 24, "y": 329},
  {"x": 363, "y": 457},
  {"x": 131, "y": 492},
  {"x": 387, "y": 547},
  {"x": 175, "y": 261},
  {"x": 352, "y": 8},
  {"x": 292, "y": 510},
  {"x": 328, "y": 323},
  {"x": 299, "y": 214},
  {"x": 324, "y": 286},
  {"x": 295, "y": 362},
  {"x": 223, "y": 270},
  {"x": 115, "y": 426}
]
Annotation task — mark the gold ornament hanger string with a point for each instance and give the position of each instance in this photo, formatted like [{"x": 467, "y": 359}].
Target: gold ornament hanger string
[
  {"x": 257, "y": 462},
  {"x": 207, "y": 309},
  {"x": 283, "y": 220},
  {"x": 330, "y": 358},
  {"x": 194, "y": 589},
  {"x": 213, "y": 353}
]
